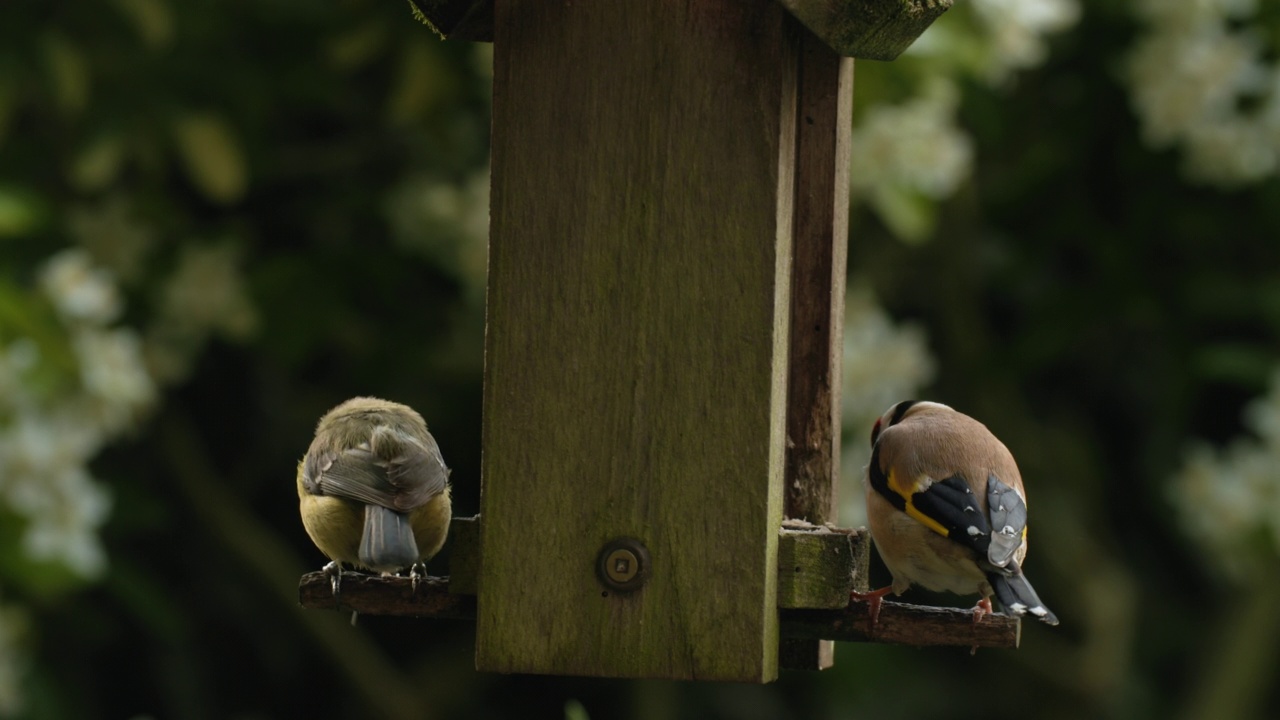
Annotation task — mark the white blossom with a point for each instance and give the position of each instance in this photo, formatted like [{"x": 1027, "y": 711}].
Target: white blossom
[
  {"x": 113, "y": 373},
  {"x": 1229, "y": 499},
  {"x": 81, "y": 292},
  {"x": 916, "y": 144},
  {"x": 51, "y": 430},
  {"x": 905, "y": 156},
  {"x": 1198, "y": 78},
  {"x": 1015, "y": 31},
  {"x": 66, "y": 528}
]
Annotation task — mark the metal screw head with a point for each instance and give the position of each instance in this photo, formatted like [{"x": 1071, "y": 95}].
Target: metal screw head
[{"x": 623, "y": 565}]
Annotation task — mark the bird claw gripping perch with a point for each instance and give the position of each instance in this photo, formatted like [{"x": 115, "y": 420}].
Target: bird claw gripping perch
[
  {"x": 334, "y": 571},
  {"x": 417, "y": 571},
  {"x": 873, "y": 599},
  {"x": 982, "y": 609}
]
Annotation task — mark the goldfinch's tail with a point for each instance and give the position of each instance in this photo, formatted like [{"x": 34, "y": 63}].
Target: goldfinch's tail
[{"x": 1016, "y": 594}]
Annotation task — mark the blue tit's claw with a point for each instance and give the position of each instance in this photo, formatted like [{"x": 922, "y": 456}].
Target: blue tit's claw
[
  {"x": 334, "y": 571},
  {"x": 416, "y": 571}
]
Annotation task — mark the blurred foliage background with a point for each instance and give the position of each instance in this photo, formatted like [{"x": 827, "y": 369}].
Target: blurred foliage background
[{"x": 217, "y": 220}]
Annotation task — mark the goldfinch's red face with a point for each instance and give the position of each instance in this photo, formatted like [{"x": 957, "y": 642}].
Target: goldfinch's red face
[{"x": 893, "y": 416}]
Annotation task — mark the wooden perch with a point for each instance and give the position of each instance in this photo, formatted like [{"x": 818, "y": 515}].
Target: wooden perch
[
  {"x": 900, "y": 623},
  {"x": 386, "y": 595},
  {"x": 903, "y": 624}
]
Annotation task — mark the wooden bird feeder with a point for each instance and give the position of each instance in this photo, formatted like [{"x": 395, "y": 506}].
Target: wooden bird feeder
[{"x": 662, "y": 356}]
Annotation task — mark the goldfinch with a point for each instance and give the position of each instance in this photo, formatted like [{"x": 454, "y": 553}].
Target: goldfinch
[
  {"x": 947, "y": 509},
  {"x": 373, "y": 489}
]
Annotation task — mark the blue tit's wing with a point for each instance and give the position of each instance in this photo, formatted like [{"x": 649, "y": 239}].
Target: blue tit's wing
[
  {"x": 413, "y": 464},
  {"x": 946, "y": 506},
  {"x": 393, "y": 470},
  {"x": 354, "y": 473}
]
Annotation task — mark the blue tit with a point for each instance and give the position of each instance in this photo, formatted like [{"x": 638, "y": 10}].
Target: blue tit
[{"x": 373, "y": 489}]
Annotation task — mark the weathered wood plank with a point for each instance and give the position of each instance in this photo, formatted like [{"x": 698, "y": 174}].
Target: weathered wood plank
[
  {"x": 818, "y": 281},
  {"x": 637, "y": 326},
  {"x": 818, "y": 566},
  {"x": 464, "y": 555},
  {"x": 820, "y": 249},
  {"x": 871, "y": 29}
]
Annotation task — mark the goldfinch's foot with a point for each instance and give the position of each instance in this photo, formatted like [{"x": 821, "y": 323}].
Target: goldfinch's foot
[
  {"x": 416, "y": 572},
  {"x": 873, "y": 599},
  {"x": 982, "y": 609}
]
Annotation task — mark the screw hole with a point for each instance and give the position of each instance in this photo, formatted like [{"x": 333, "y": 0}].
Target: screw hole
[{"x": 604, "y": 594}]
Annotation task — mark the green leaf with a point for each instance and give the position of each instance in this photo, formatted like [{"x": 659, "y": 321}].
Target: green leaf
[
  {"x": 212, "y": 156},
  {"x": 151, "y": 18},
  {"x": 21, "y": 212}
]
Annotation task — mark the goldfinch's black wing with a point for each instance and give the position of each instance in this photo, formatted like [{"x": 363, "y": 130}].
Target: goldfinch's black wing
[
  {"x": 947, "y": 506},
  {"x": 392, "y": 470}
]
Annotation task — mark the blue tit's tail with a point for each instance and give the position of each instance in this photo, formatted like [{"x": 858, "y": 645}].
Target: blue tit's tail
[
  {"x": 1016, "y": 594},
  {"x": 387, "y": 544}
]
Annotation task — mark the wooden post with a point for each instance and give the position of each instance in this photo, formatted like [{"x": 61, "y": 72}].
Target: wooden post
[
  {"x": 636, "y": 353},
  {"x": 823, "y": 124}
]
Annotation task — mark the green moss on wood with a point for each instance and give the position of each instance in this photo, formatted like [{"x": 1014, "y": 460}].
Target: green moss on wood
[
  {"x": 871, "y": 29},
  {"x": 819, "y": 565},
  {"x": 456, "y": 19}
]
